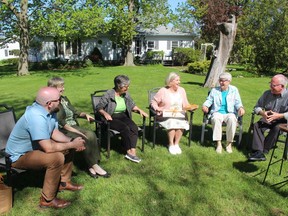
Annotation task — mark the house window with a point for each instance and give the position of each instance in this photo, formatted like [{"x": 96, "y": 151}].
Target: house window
[
  {"x": 6, "y": 53},
  {"x": 151, "y": 45},
  {"x": 74, "y": 47},
  {"x": 61, "y": 48},
  {"x": 174, "y": 44},
  {"x": 168, "y": 45},
  {"x": 68, "y": 48},
  {"x": 114, "y": 45},
  {"x": 138, "y": 47}
]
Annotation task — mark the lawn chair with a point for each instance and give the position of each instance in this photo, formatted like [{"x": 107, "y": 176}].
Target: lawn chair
[
  {"x": 281, "y": 138},
  {"x": 102, "y": 125},
  {"x": 207, "y": 120},
  {"x": 7, "y": 123}
]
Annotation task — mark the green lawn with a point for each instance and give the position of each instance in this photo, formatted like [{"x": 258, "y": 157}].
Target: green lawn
[{"x": 198, "y": 182}]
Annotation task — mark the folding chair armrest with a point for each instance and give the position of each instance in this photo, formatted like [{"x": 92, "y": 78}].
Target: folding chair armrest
[
  {"x": 152, "y": 111},
  {"x": 240, "y": 120},
  {"x": 8, "y": 162},
  {"x": 205, "y": 117},
  {"x": 144, "y": 120}
]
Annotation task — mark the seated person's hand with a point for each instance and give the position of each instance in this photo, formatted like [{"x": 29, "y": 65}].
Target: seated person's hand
[
  {"x": 241, "y": 111},
  {"x": 142, "y": 113},
  {"x": 205, "y": 109},
  {"x": 79, "y": 144}
]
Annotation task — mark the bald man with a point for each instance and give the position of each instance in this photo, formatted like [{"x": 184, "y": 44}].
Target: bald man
[
  {"x": 273, "y": 107},
  {"x": 36, "y": 143}
]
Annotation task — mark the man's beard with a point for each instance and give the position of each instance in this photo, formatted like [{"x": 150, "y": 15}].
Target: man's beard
[{"x": 55, "y": 110}]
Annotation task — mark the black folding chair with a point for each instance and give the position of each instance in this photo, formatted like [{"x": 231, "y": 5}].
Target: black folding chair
[
  {"x": 283, "y": 130},
  {"x": 7, "y": 123},
  {"x": 239, "y": 130},
  {"x": 102, "y": 125}
]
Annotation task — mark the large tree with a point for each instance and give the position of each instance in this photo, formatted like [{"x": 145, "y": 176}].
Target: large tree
[
  {"x": 213, "y": 17},
  {"x": 62, "y": 19},
  {"x": 70, "y": 19},
  {"x": 127, "y": 17},
  {"x": 264, "y": 32},
  {"x": 14, "y": 24}
]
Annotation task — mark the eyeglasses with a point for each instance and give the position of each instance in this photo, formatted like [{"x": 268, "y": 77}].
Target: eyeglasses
[
  {"x": 57, "y": 100},
  {"x": 274, "y": 85},
  {"x": 223, "y": 80},
  {"x": 126, "y": 87}
]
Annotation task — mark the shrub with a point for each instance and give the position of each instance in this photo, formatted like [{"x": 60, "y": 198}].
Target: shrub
[
  {"x": 183, "y": 56},
  {"x": 11, "y": 61},
  {"x": 199, "y": 67},
  {"x": 155, "y": 55}
]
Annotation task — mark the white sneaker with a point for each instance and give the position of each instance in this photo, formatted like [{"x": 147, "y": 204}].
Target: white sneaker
[
  {"x": 229, "y": 148},
  {"x": 172, "y": 150},
  {"x": 219, "y": 149},
  {"x": 178, "y": 149}
]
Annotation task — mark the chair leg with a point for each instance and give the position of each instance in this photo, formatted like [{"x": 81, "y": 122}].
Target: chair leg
[
  {"x": 269, "y": 164},
  {"x": 154, "y": 134},
  {"x": 108, "y": 140},
  {"x": 284, "y": 156},
  {"x": 190, "y": 129},
  {"x": 143, "y": 137},
  {"x": 203, "y": 133}
]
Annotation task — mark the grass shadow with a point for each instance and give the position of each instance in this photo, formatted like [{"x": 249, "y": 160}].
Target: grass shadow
[{"x": 244, "y": 166}]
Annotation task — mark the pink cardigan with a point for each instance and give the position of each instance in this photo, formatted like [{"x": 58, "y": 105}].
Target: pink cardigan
[{"x": 161, "y": 100}]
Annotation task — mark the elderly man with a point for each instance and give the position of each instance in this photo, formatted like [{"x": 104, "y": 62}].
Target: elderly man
[
  {"x": 225, "y": 105},
  {"x": 36, "y": 143},
  {"x": 273, "y": 107}
]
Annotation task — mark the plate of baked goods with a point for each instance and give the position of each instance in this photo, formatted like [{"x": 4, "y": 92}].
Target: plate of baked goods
[{"x": 191, "y": 107}]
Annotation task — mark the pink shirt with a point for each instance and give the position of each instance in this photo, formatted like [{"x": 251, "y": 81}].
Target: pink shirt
[{"x": 162, "y": 100}]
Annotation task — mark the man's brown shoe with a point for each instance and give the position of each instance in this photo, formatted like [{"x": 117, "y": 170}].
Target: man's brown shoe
[
  {"x": 69, "y": 186},
  {"x": 55, "y": 203}
]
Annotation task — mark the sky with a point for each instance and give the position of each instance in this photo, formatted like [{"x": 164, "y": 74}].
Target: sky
[{"x": 174, "y": 3}]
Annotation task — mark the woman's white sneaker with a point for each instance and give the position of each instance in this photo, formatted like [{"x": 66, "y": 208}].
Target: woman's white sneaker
[
  {"x": 172, "y": 150},
  {"x": 178, "y": 149}
]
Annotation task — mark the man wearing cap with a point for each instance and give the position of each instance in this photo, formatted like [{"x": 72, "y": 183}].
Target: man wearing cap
[
  {"x": 36, "y": 143},
  {"x": 224, "y": 105}
]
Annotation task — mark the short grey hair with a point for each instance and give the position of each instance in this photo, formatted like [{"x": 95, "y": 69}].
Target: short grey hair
[
  {"x": 120, "y": 81},
  {"x": 282, "y": 79},
  {"x": 171, "y": 76},
  {"x": 226, "y": 76},
  {"x": 55, "y": 82}
]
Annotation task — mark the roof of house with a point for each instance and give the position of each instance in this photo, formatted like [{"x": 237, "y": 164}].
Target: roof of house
[{"x": 167, "y": 31}]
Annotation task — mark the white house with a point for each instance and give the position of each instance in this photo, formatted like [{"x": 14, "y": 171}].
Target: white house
[
  {"x": 7, "y": 48},
  {"x": 161, "y": 39}
]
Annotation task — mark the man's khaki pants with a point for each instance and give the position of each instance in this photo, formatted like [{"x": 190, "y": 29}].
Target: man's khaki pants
[{"x": 58, "y": 167}]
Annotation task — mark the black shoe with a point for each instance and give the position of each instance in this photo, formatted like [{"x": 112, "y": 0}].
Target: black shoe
[
  {"x": 106, "y": 175},
  {"x": 92, "y": 174},
  {"x": 257, "y": 156}
]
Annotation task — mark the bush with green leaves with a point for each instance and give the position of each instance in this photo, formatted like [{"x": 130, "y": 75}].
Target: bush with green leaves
[
  {"x": 183, "y": 56},
  {"x": 156, "y": 55},
  {"x": 199, "y": 67},
  {"x": 11, "y": 61}
]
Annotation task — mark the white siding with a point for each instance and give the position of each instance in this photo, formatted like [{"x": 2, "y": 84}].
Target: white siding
[{"x": 4, "y": 51}]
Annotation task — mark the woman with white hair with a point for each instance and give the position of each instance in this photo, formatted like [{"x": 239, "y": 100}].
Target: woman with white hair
[
  {"x": 224, "y": 105},
  {"x": 173, "y": 98}
]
